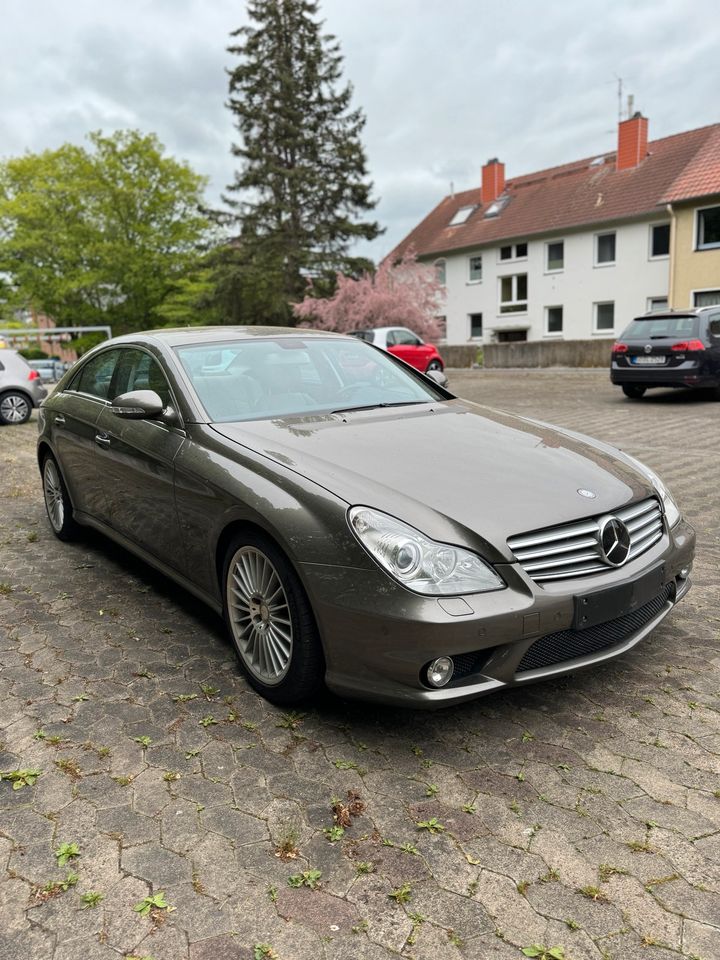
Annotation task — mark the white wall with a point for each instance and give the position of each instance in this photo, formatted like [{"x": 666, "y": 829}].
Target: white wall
[{"x": 629, "y": 283}]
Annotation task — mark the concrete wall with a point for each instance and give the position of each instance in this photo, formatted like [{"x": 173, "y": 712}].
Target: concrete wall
[
  {"x": 556, "y": 353},
  {"x": 459, "y": 356},
  {"x": 629, "y": 283},
  {"x": 692, "y": 270}
]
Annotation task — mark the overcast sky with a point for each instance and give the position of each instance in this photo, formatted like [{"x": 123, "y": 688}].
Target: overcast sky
[{"x": 444, "y": 86}]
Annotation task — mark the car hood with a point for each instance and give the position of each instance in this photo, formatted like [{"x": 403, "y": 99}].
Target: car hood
[{"x": 455, "y": 470}]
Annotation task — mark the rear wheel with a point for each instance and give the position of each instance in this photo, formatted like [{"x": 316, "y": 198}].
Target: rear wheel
[
  {"x": 57, "y": 501},
  {"x": 270, "y": 620},
  {"x": 633, "y": 391},
  {"x": 15, "y": 408}
]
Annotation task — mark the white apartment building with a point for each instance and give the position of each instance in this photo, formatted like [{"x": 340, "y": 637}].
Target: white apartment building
[{"x": 572, "y": 252}]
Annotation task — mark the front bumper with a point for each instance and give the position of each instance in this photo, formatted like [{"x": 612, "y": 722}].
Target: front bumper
[{"x": 379, "y": 637}]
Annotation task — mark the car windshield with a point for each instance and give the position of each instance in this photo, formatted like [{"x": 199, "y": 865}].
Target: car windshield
[
  {"x": 649, "y": 328},
  {"x": 261, "y": 379}
]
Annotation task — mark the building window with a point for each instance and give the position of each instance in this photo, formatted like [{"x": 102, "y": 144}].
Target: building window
[
  {"x": 513, "y": 293},
  {"x": 660, "y": 240},
  {"x": 555, "y": 256},
  {"x": 657, "y": 303},
  {"x": 708, "y": 228},
  {"x": 706, "y": 298},
  {"x": 461, "y": 216},
  {"x": 474, "y": 269},
  {"x": 476, "y": 330},
  {"x": 514, "y": 251},
  {"x": 511, "y": 336},
  {"x": 553, "y": 320},
  {"x": 441, "y": 272},
  {"x": 442, "y": 329},
  {"x": 604, "y": 249},
  {"x": 604, "y": 317}
]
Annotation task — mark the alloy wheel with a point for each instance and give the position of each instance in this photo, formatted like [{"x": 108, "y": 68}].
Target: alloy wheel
[
  {"x": 259, "y": 615},
  {"x": 54, "y": 499},
  {"x": 14, "y": 408}
]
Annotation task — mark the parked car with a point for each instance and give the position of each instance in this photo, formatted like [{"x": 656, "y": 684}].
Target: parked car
[
  {"x": 21, "y": 388},
  {"x": 406, "y": 345},
  {"x": 675, "y": 348},
  {"x": 50, "y": 370},
  {"x": 291, "y": 489}
]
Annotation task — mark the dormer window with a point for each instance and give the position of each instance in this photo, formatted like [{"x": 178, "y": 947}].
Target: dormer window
[
  {"x": 496, "y": 206},
  {"x": 461, "y": 216}
]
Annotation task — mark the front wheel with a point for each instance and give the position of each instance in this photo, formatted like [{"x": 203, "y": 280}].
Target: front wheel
[
  {"x": 434, "y": 365},
  {"x": 57, "y": 501},
  {"x": 633, "y": 391},
  {"x": 270, "y": 621},
  {"x": 15, "y": 408}
]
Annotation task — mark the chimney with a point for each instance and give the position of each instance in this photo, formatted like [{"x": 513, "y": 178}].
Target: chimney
[
  {"x": 632, "y": 142},
  {"x": 493, "y": 180}
]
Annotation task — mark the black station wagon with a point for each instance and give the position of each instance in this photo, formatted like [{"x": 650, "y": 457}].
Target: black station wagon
[{"x": 675, "y": 348}]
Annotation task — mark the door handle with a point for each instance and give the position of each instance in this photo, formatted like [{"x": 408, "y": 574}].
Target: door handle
[
  {"x": 102, "y": 440},
  {"x": 59, "y": 419}
]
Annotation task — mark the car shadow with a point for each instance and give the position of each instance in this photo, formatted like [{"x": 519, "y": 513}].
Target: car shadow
[{"x": 674, "y": 396}]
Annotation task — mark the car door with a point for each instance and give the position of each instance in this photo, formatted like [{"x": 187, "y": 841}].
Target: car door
[
  {"x": 137, "y": 458},
  {"x": 73, "y": 415},
  {"x": 408, "y": 347}
]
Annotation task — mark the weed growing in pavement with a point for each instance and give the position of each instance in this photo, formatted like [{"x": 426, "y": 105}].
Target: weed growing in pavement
[
  {"x": 21, "y": 778},
  {"x": 308, "y": 878}
]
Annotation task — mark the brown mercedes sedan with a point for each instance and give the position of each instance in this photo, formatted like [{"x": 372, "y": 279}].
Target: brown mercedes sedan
[{"x": 354, "y": 522}]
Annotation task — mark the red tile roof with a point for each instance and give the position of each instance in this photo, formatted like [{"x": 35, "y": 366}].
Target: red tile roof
[{"x": 589, "y": 191}]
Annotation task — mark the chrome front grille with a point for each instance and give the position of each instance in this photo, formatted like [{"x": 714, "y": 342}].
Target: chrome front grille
[{"x": 573, "y": 549}]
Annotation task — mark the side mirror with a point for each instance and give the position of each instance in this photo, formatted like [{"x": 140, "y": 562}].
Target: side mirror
[
  {"x": 438, "y": 376},
  {"x": 138, "y": 405}
]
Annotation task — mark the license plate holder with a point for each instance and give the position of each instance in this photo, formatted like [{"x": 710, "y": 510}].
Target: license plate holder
[{"x": 603, "y": 605}]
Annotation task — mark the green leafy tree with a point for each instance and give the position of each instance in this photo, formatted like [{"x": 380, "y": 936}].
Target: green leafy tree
[
  {"x": 297, "y": 201},
  {"x": 100, "y": 235}
]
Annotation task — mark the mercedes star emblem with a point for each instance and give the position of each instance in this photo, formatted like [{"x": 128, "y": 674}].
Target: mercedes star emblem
[
  {"x": 614, "y": 541},
  {"x": 648, "y": 348}
]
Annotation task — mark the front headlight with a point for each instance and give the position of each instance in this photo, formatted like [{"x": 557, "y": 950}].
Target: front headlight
[
  {"x": 670, "y": 508},
  {"x": 421, "y": 564},
  {"x": 672, "y": 512}
]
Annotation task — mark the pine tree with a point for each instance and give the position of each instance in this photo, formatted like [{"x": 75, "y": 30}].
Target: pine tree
[{"x": 302, "y": 187}]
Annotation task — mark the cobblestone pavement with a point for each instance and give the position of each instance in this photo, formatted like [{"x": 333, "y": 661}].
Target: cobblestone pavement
[{"x": 582, "y": 813}]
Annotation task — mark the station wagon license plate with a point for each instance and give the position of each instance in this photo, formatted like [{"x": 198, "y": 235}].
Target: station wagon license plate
[{"x": 649, "y": 361}]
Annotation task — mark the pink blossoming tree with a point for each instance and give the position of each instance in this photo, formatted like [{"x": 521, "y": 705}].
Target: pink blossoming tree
[{"x": 407, "y": 294}]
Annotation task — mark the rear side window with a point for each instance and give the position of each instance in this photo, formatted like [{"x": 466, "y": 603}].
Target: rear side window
[
  {"x": 647, "y": 328},
  {"x": 96, "y": 375},
  {"x": 714, "y": 327}
]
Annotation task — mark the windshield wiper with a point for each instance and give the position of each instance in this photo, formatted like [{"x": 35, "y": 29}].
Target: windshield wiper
[{"x": 375, "y": 406}]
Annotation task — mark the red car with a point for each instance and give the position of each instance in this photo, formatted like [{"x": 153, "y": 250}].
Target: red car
[{"x": 406, "y": 345}]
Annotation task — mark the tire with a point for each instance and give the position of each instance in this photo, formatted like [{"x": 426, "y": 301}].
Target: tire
[
  {"x": 270, "y": 621},
  {"x": 15, "y": 408},
  {"x": 434, "y": 365},
  {"x": 57, "y": 501},
  {"x": 633, "y": 391}
]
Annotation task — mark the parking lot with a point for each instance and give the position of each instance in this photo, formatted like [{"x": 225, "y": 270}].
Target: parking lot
[{"x": 582, "y": 813}]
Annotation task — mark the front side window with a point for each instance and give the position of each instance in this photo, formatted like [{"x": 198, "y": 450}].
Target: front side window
[
  {"x": 604, "y": 317},
  {"x": 513, "y": 293},
  {"x": 96, "y": 375},
  {"x": 708, "y": 228},
  {"x": 706, "y": 298},
  {"x": 660, "y": 240},
  {"x": 553, "y": 320},
  {"x": 476, "y": 326},
  {"x": 555, "y": 256},
  {"x": 403, "y": 338},
  {"x": 474, "y": 269},
  {"x": 270, "y": 378},
  {"x": 137, "y": 370},
  {"x": 604, "y": 248}
]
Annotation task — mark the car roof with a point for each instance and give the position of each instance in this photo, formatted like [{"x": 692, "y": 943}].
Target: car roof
[
  {"x": 690, "y": 312},
  {"x": 181, "y": 336}
]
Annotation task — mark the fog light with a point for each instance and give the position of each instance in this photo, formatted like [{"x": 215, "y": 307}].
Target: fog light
[
  {"x": 685, "y": 572},
  {"x": 440, "y": 671}
]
